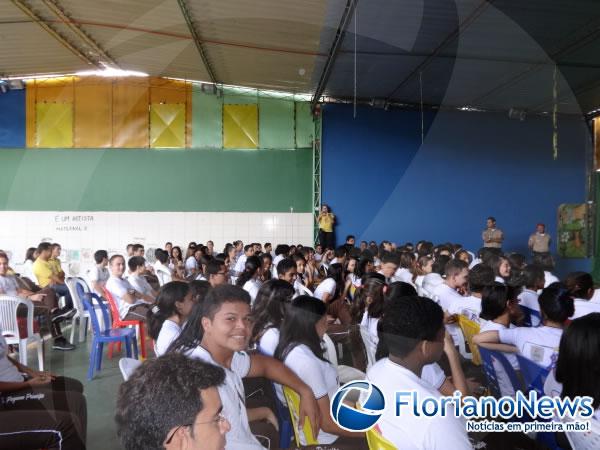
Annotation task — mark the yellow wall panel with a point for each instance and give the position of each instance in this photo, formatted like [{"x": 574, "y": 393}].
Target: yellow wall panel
[
  {"x": 58, "y": 90},
  {"x": 130, "y": 113},
  {"x": 30, "y": 92},
  {"x": 93, "y": 113},
  {"x": 167, "y": 125},
  {"x": 54, "y": 125},
  {"x": 240, "y": 126}
]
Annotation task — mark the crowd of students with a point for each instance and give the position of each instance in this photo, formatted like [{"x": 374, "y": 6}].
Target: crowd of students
[{"x": 254, "y": 311}]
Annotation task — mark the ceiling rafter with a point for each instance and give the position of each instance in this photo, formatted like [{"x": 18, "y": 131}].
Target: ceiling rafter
[
  {"x": 197, "y": 40},
  {"x": 50, "y": 29},
  {"x": 56, "y": 8}
]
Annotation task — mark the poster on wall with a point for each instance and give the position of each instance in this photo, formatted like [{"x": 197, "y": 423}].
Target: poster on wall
[{"x": 573, "y": 230}]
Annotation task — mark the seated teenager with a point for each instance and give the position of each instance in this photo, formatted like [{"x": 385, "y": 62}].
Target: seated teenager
[
  {"x": 469, "y": 306},
  {"x": 267, "y": 266},
  {"x": 412, "y": 331},
  {"x": 388, "y": 266},
  {"x": 450, "y": 291},
  {"x": 498, "y": 309},
  {"x": 27, "y": 269},
  {"x": 222, "y": 340},
  {"x": 132, "y": 305},
  {"x": 39, "y": 409},
  {"x": 331, "y": 291},
  {"x": 578, "y": 363},
  {"x": 272, "y": 300},
  {"x": 98, "y": 274},
  {"x": 250, "y": 278},
  {"x": 161, "y": 266},
  {"x": 546, "y": 262},
  {"x": 299, "y": 348},
  {"x": 581, "y": 288},
  {"x": 45, "y": 303},
  {"x": 281, "y": 252},
  {"x": 533, "y": 277},
  {"x": 303, "y": 281},
  {"x": 405, "y": 271},
  {"x": 501, "y": 268},
  {"x": 538, "y": 344},
  {"x": 423, "y": 267},
  {"x": 158, "y": 408},
  {"x": 137, "y": 270},
  {"x": 240, "y": 264},
  {"x": 47, "y": 275},
  {"x": 216, "y": 272},
  {"x": 167, "y": 318},
  {"x": 286, "y": 271}
]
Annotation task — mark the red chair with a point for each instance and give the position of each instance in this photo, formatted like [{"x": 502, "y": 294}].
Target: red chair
[{"x": 117, "y": 322}]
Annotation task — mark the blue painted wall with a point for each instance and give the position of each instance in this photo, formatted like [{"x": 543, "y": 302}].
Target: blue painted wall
[
  {"x": 383, "y": 184},
  {"x": 12, "y": 119}
]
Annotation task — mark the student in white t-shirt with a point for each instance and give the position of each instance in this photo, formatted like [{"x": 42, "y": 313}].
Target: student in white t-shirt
[
  {"x": 457, "y": 277},
  {"x": 470, "y": 305},
  {"x": 299, "y": 348},
  {"x": 303, "y": 281},
  {"x": 332, "y": 291},
  {"x": 131, "y": 304},
  {"x": 191, "y": 262},
  {"x": 498, "y": 310},
  {"x": 577, "y": 366},
  {"x": 407, "y": 266},
  {"x": 161, "y": 268},
  {"x": 223, "y": 340},
  {"x": 546, "y": 262},
  {"x": 423, "y": 267},
  {"x": 98, "y": 274},
  {"x": 241, "y": 261},
  {"x": 501, "y": 268},
  {"x": 581, "y": 287},
  {"x": 281, "y": 252},
  {"x": 250, "y": 278},
  {"x": 268, "y": 311},
  {"x": 137, "y": 270},
  {"x": 173, "y": 306},
  {"x": 538, "y": 344},
  {"x": 533, "y": 276},
  {"x": 389, "y": 265},
  {"x": 412, "y": 330}
]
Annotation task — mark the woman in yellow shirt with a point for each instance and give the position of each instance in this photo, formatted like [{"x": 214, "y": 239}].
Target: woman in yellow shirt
[{"x": 326, "y": 221}]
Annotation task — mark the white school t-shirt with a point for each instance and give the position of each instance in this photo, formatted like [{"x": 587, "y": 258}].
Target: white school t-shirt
[
  {"x": 504, "y": 383},
  {"x": 233, "y": 398},
  {"x": 319, "y": 375},
  {"x": 539, "y": 344},
  {"x": 251, "y": 287},
  {"x": 268, "y": 341},
  {"x": 327, "y": 286},
  {"x": 8, "y": 371},
  {"x": 469, "y": 307},
  {"x": 240, "y": 264},
  {"x": 410, "y": 432},
  {"x": 140, "y": 284},
  {"x": 163, "y": 273},
  {"x": 8, "y": 285},
  {"x": 549, "y": 278},
  {"x": 27, "y": 270},
  {"x": 191, "y": 265},
  {"x": 168, "y": 333},
  {"x": 402, "y": 274},
  {"x": 584, "y": 307},
  {"x": 445, "y": 296},
  {"x": 118, "y": 287},
  {"x": 99, "y": 275},
  {"x": 529, "y": 299}
]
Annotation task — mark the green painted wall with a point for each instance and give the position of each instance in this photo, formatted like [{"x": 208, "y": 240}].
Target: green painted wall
[{"x": 156, "y": 180}]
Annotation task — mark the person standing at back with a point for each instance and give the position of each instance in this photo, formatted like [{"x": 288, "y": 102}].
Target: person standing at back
[
  {"x": 539, "y": 242},
  {"x": 326, "y": 221},
  {"x": 492, "y": 236}
]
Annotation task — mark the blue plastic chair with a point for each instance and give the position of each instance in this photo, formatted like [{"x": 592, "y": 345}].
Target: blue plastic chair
[
  {"x": 105, "y": 334},
  {"x": 488, "y": 357},
  {"x": 529, "y": 315}
]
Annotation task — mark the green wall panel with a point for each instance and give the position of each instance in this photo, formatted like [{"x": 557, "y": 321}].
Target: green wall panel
[
  {"x": 207, "y": 120},
  {"x": 276, "y": 123},
  {"x": 156, "y": 180},
  {"x": 239, "y": 96},
  {"x": 305, "y": 128}
]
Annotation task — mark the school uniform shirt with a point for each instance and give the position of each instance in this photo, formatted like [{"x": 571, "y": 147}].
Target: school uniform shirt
[
  {"x": 319, "y": 375},
  {"x": 584, "y": 307},
  {"x": 411, "y": 432},
  {"x": 251, "y": 287},
  {"x": 8, "y": 371},
  {"x": 164, "y": 273},
  {"x": 168, "y": 333},
  {"x": 369, "y": 324},
  {"x": 538, "y": 344},
  {"x": 27, "y": 270},
  {"x": 549, "y": 278},
  {"x": 402, "y": 274},
  {"x": 434, "y": 375},
  {"x": 596, "y": 297},
  {"x": 269, "y": 341},
  {"x": 445, "y": 295},
  {"x": 529, "y": 299},
  {"x": 327, "y": 286},
  {"x": 500, "y": 280},
  {"x": 99, "y": 275},
  {"x": 8, "y": 285},
  {"x": 140, "y": 284},
  {"x": 506, "y": 387},
  {"x": 419, "y": 280},
  {"x": 118, "y": 287},
  {"x": 240, "y": 264},
  {"x": 469, "y": 307},
  {"x": 191, "y": 265},
  {"x": 233, "y": 398}
]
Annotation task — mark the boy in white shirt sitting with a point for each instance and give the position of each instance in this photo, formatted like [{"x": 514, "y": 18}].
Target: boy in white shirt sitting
[
  {"x": 469, "y": 306},
  {"x": 98, "y": 275},
  {"x": 137, "y": 268},
  {"x": 413, "y": 331},
  {"x": 132, "y": 305}
]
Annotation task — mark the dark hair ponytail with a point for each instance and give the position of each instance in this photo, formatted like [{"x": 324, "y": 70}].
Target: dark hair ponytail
[
  {"x": 250, "y": 268},
  {"x": 556, "y": 303},
  {"x": 165, "y": 307}
]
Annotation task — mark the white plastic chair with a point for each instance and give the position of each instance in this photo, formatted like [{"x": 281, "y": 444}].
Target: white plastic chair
[
  {"x": 81, "y": 317},
  {"x": 345, "y": 373},
  {"x": 10, "y": 328},
  {"x": 589, "y": 440},
  {"x": 370, "y": 344},
  {"x": 128, "y": 366},
  {"x": 162, "y": 276}
]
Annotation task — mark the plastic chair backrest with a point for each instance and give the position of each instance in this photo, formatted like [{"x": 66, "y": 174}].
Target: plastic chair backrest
[
  {"x": 370, "y": 344},
  {"x": 533, "y": 374},
  {"x": 89, "y": 302},
  {"x": 470, "y": 329},
  {"x": 376, "y": 441},
  {"x": 293, "y": 401},
  {"x": 128, "y": 366},
  {"x": 529, "y": 316},
  {"x": 8, "y": 317},
  {"x": 77, "y": 293},
  {"x": 112, "y": 304},
  {"x": 330, "y": 353},
  {"x": 488, "y": 357}
]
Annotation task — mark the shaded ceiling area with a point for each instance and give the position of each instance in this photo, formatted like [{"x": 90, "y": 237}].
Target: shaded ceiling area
[{"x": 491, "y": 55}]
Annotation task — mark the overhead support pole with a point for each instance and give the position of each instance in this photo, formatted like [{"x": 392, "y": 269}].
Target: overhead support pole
[
  {"x": 55, "y": 7},
  {"x": 54, "y": 33},
  {"x": 469, "y": 20},
  {"x": 333, "y": 51},
  {"x": 197, "y": 41}
]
